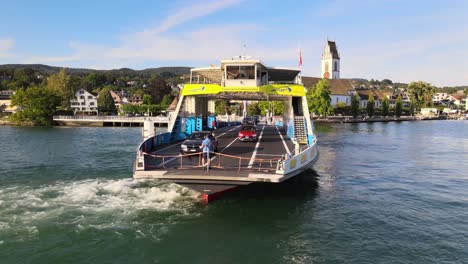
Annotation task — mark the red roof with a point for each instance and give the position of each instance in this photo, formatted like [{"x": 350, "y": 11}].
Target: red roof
[{"x": 337, "y": 86}]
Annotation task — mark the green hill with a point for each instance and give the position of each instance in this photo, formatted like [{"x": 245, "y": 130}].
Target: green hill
[{"x": 47, "y": 70}]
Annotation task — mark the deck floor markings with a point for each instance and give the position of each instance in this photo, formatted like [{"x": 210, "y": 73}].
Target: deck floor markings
[
  {"x": 256, "y": 148},
  {"x": 284, "y": 143}
]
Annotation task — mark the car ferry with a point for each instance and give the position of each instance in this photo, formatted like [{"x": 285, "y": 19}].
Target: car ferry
[{"x": 283, "y": 148}]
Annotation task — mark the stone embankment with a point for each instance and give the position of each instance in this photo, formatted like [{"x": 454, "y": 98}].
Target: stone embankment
[
  {"x": 350, "y": 119},
  {"x": 5, "y": 121}
]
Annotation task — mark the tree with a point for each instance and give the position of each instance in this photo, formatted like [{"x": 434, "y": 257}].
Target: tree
[
  {"x": 355, "y": 105},
  {"x": 166, "y": 100},
  {"x": 21, "y": 78},
  {"x": 385, "y": 106},
  {"x": 278, "y": 107},
  {"x": 386, "y": 82},
  {"x": 341, "y": 108},
  {"x": 105, "y": 101},
  {"x": 398, "y": 106},
  {"x": 421, "y": 94},
  {"x": 157, "y": 88},
  {"x": 411, "y": 108},
  {"x": 221, "y": 107},
  {"x": 319, "y": 99},
  {"x": 130, "y": 108},
  {"x": 264, "y": 107},
  {"x": 36, "y": 105},
  {"x": 61, "y": 84},
  {"x": 4, "y": 85},
  {"x": 370, "y": 106},
  {"x": 89, "y": 82},
  {"x": 146, "y": 99},
  {"x": 253, "y": 109}
]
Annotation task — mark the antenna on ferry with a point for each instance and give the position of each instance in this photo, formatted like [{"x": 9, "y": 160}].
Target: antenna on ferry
[{"x": 244, "y": 48}]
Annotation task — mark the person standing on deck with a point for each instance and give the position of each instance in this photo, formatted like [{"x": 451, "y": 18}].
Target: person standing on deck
[
  {"x": 212, "y": 143},
  {"x": 206, "y": 148},
  {"x": 213, "y": 124}
]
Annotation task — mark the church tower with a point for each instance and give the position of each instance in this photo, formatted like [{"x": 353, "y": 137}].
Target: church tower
[{"x": 330, "y": 61}]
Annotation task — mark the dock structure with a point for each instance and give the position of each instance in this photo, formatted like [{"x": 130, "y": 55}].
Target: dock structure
[
  {"x": 283, "y": 149},
  {"x": 160, "y": 121}
]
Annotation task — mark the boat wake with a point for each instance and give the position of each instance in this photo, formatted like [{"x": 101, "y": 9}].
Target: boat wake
[{"x": 95, "y": 204}]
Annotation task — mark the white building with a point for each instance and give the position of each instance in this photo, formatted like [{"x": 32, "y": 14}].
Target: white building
[
  {"x": 429, "y": 112},
  {"x": 341, "y": 90},
  {"x": 84, "y": 101},
  {"x": 457, "y": 100},
  {"x": 5, "y": 101},
  {"x": 437, "y": 97},
  {"x": 330, "y": 61}
]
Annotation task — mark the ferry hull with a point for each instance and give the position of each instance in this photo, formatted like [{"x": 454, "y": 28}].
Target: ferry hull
[{"x": 211, "y": 191}]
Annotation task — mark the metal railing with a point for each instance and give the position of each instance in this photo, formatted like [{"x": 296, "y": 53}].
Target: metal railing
[
  {"x": 219, "y": 161},
  {"x": 114, "y": 118}
]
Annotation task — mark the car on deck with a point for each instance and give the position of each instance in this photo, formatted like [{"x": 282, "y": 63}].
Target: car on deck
[
  {"x": 248, "y": 121},
  {"x": 248, "y": 133},
  {"x": 256, "y": 119},
  {"x": 193, "y": 142}
]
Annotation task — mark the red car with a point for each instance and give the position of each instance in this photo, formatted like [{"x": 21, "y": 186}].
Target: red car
[{"x": 248, "y": 133}]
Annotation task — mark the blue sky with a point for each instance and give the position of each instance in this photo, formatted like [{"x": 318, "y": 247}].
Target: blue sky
[{"x": 400, "y": 40}]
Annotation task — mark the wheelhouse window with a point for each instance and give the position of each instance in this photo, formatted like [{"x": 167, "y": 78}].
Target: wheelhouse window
[{"x": 240, "y": 72}]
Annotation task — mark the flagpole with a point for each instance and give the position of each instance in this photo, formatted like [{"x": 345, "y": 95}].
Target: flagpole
[{"x": 300, "y": 66}]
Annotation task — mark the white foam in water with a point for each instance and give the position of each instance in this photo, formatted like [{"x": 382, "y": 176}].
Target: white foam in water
[
  {"x": 4, "y": 225},
  {"x": 32, "y": 230},
  {"x": 121, "y": 194},
  {"x": 90, "y": 203}
]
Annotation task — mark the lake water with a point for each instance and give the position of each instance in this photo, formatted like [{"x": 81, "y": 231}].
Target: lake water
[{"x": 380, "y": 193}]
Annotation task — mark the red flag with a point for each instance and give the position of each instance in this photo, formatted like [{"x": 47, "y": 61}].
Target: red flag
[{"x": 300, "y": 58}]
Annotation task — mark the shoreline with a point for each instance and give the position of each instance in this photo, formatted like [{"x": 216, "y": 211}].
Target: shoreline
[
  {"x": 334, "y": 120},
  {"x": 346, "y": 119},
  {"x": 6, "y": 122}
]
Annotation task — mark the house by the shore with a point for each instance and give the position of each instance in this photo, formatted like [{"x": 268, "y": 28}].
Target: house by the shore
[
  {"x": 5, "y": 101},
  {"x": 84, "y": 102},
  {"x": 341, "y": 89}
]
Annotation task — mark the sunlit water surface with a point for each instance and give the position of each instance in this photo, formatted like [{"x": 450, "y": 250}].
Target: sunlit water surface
[{"x": 380, "y": 193}]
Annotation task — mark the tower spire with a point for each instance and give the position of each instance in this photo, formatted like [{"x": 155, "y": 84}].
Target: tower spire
[{"x": 330, "y": 61}]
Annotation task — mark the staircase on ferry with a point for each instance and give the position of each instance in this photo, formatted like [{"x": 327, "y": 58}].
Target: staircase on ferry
[{"x": 300, "y": 130}]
